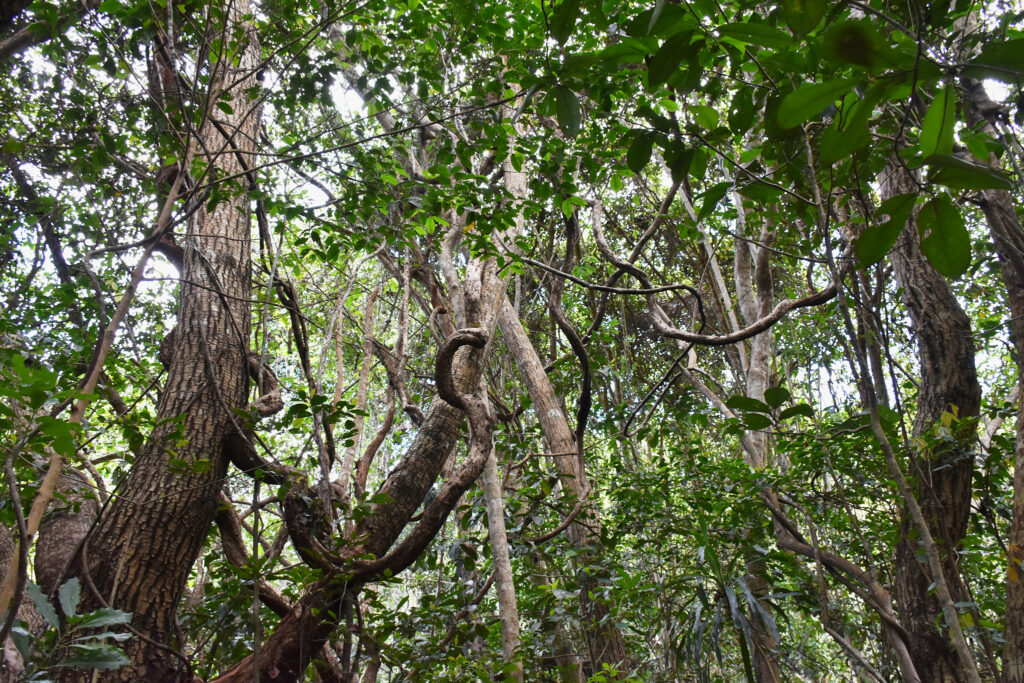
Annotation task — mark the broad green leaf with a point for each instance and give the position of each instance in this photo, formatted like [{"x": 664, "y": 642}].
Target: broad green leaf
[
  {"x": 22, "y": 638},
  {"x": 42, "y": 604},
  {"x": 711, "y": 199},
  {"x": 798, "y": 409},
  {"x": 105, "y": 616},
  {"x": 758, "y": 34},
  {"x": 856, "y": 42},
  {"x": 678, "y": 157},
  {"x": 567, "y": 110},
  {"x": 961, "y": 174},
  {"x": 705, "y": 116},
  {"x": 630, "y": 50},
  {"x": 803, "y": 15},
  {"x": 756, "y": 421},
  {"x": 760, "y": 191},
  {"x": 667, "y": 59},
  {"x": 776, "y": 396},
  {"x": 836, "y": 144},
  {"x": 937, "y": 127},
  {"x": 747, "y": 404},
  {"x": 944, "y": 237},
  {"x": 875, "y": 242},
  {"x": 810, "y": 100},
  {"x": 563, "y": 20},
  {"x": 639, "y": 152},
  {"x": 69, "y": 594},
  {"x": 96, "y": 656},
  {"x": 849, "y": 133},
  {"x": 1001, "y": 60}
]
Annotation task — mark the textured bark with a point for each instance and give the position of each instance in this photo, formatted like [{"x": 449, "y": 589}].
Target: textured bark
[
  {"x": 604, "y": 641},
  {"x": 140, "y": 553},
  {"x": 68, "y": 520},
  {"x": 942, "y": 470},
  {"x": 1008, "y": 238}
]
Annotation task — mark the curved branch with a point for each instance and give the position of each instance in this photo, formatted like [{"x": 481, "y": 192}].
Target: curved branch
[
  {"x": 481, "y": 429},
  {"x": 666, "y": 329},
  {"x": 471, "y": 336},
  {"x": 558, "y": 313}
]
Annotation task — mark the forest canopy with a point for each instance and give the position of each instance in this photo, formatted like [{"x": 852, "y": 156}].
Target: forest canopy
[{"x": 585, "y": 340}]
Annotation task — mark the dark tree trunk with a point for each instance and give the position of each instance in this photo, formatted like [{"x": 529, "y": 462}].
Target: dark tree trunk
[
  {"x": 139, "y": 555},
  {"x": 941, "y": 469}
]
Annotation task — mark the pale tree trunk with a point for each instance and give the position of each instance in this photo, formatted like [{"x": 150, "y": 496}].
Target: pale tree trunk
[
  {"x": 755, "y": 295},
  {"x": 139, "y": 555},
  {"x": 1005, "y": 228},
  {"x": 508, "y": 612},
  {"x": 942, "y": 472},
  {"x": 604, "y": 641}
]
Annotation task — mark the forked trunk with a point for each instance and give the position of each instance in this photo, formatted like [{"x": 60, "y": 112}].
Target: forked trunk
[{"x": 139, "y": 555}]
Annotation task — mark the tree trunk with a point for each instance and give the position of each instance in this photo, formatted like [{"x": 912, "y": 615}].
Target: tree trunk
[
  {"x": 755, "y": 294},
  {"x": 1008, "y": 239},
  {"x": 604, "y": 641},
  {"x": 942, "y": 470},
  {"x": 508, "y": 611},
  {"x": 139, "y": 555}
]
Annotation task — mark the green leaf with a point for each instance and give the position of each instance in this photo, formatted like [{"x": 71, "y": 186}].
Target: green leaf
[
  {"x": 567, "y": 110},
  {"x": 944, "y": 237},
  {"x": 746, "y": 404},
  {"x": 838, "y": 143},
  {"x": 639, "y": 152},
  {"x": 1001, "y": 60},
  {"x": 705, "y": 116},
  {"x": 69, "y": 594},
  {"x": 937, "y": 127},
  {"x": 849, "y": 133},
  {"x": 666, "y": 60},
  {"x": 776, "y": 396},
  {"x": 105, "y": 616},
  {"x": 42, "y": 604},
  {"x": 97, "y": 656},
  {"x": 877, "y": 240},
  {"x": 961, "y": 174},
  {"x": 810, "y": 100},
  {"x": 678, "y": 158},
  {"x": 758, "y": 34},
  {"x": 855, "y": 42},
  {"x": 798, "y": 409},
  {"x": 563, "y": 20},
  {"x": 756, "y": 421},
  {"x": 711, "y": 199},
  {"x": 803, "y": 15},
  {"x": 760, "y": 191}
]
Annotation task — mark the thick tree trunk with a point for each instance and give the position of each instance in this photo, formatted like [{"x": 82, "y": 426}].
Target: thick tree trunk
[
  {"x": 1008, "y": 238},
  {"x": 139, "y": 555},
  {"x": 604, "y": 641},
  {"x": 942, "y": 469}
]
